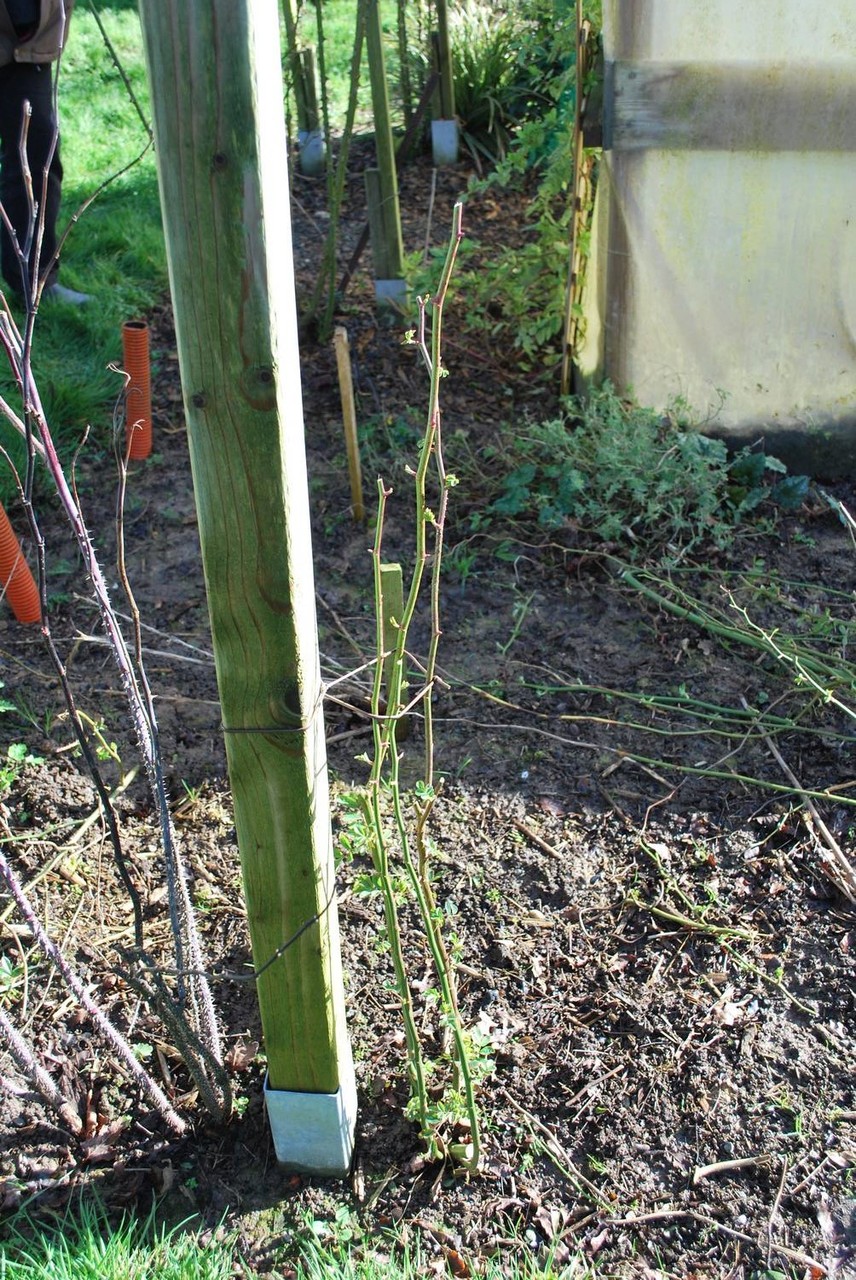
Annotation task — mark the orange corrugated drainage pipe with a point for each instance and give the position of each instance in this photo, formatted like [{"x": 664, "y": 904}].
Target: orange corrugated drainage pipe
[
  {"x": 138, "y": 393},
  {"x": 16, "y": 580}
]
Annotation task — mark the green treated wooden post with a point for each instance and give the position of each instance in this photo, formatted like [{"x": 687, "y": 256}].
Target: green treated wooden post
[
  {"x": 388, "y": 255},
  {"x": 392, "y": 602},
  {"x": 220, "y": 135},
  {"x": 392, "y": 595},
  {"x": 446, "y": 94},
  {"x": 444, "y": 126},
  {"x": 404, "y": 79},
  {"x": 312, "y": 150}
]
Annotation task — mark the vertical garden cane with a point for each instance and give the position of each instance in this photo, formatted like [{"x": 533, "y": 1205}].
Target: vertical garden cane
[
  {"x": 221, "y": 146},
  {"x": 382, "y": 182},
  {"x": 444, "y": 126}
]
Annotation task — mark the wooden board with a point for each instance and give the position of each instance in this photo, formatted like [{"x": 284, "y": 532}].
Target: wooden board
[{"x": 751, "y": 106}]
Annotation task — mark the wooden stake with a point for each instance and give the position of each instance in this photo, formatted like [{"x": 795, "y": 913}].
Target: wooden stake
[
  {"x": 392, "y": 590},
  {"x": 377, "y": 232},
  {"x": 446, "y": 101},
  {"x": 220, "y": 136},
  {"x": 391, "y": 216},
  {"x": 392, "y": 605},
  {"x": 349, "y": 420},
  {"x": 310, "y": 93}
]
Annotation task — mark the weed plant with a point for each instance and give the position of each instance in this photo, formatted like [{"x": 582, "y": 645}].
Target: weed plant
[
  {"x": 515, "y": 92},
  {"x": 629, "y": 476}
]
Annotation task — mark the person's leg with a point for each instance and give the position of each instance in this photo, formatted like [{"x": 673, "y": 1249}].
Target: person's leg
[{"x": 20, "y": 83}]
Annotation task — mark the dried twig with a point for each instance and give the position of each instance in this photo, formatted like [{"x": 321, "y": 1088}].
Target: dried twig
[
  {"x": 838, "y": 867},
  {"x": 775, "y": 1209},
  {"x": 670, "y": 1215},
  {"x": 730, "y": 1166},
  {"x": 538, "y": 841}
]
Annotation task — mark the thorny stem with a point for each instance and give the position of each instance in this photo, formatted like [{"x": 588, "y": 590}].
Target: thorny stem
[
  {"x": 180, "y": 906},
  {"x": 129, "y": 88},
  {"x": 18, "y": 349},
  {"x": 802, "y": 664},
  {"x": 720, "y": 721},
  {"x": 101, "y": 1023},
  {"x": 142, "y": 712},
  {"x": 198, "y": 1059},
  {"x": 335, "y": 178},
  {"x": 26, "y": 1062},
  {"x": 39, "y": 440},
  {"x": 811, "y": 664}
]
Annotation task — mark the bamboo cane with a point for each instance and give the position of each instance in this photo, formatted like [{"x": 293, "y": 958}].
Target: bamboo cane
[{"x": 349, "y": 421}]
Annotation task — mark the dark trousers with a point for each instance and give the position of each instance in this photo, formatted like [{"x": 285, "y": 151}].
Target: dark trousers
[{"x": 22, "y": 82}]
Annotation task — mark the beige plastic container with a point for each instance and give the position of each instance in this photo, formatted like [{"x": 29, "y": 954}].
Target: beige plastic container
[{"x": 723, "y": 269}]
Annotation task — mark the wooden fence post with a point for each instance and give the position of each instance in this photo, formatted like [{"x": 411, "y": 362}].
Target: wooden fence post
[
  {"x": 444, "y": 126},
  {"x": 385, "y": 224},
  {"x": 217, "y": 101},
  {"x": 349, "y": 420},
  {"x": 311, "y": 144}
]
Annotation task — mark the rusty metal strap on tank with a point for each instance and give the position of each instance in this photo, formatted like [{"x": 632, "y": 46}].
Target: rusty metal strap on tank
[{"x": 746, "y": 106}]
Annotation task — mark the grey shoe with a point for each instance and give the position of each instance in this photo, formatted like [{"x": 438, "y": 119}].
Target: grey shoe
[{"x": 59, "y": 293}]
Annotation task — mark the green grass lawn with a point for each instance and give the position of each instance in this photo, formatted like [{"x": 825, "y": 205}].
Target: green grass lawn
[
  {"x": 85, "y": 1245},
  {"x": 115, "y": 251}
]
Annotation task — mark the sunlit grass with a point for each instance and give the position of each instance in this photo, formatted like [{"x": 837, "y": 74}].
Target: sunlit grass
[
  {"x": 391, "y": 1258},
  {"x": 88, "y": 1248}
]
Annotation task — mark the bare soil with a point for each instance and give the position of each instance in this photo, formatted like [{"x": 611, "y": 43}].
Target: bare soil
[{"x": 658, "y": 958}]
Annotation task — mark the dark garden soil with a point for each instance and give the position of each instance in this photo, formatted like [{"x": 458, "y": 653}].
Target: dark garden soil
[{"x": 658, "y": 959}]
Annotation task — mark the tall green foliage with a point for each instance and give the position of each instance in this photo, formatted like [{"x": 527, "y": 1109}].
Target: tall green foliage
[{"x": 516, "y": 91}]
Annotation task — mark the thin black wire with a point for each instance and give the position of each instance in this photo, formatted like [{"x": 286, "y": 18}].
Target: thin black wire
[{"x": 218, "y": 976}]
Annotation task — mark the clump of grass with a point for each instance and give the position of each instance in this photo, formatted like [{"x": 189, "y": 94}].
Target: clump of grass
[
  {"x": 333, "y": 1254},
  {"x": 485, "y": 69},
  {"x": 88, "y": 1247}
]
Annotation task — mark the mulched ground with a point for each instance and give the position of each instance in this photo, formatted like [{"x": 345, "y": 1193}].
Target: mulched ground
[{"x": 660, "y": 966}]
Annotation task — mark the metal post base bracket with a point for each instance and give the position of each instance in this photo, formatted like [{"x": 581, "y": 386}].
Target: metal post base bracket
[
  {"x": 391, "y": 294},
  {"x": 314, "y": 1132},
  {"x": 312, "y": 152},
  {"x": 444, "y": 142}
]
